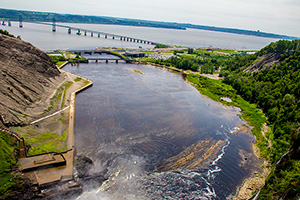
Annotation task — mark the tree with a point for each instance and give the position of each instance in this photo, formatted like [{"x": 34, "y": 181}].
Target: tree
[{"x": 190, "y": 51}]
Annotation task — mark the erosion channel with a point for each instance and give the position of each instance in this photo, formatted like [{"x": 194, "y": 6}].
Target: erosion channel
[{"x": 156, "y": 137}]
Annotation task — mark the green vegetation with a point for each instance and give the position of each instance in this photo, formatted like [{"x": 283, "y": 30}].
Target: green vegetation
[
  {"x": 275, "y": 89},
  {"x": 14, "y": 15},
  {"x": 61, "y": 58},
  {"x": 137, "y": 71},
  {"x": 203, "y": 60},
  {"x": 46, "y": 142},
  {"x": 7, "y": 162},
  {"x": 56, "y": 100},
  {"x": 161, "y": 46},
  {"x": 78, "y": 79},
  {"x": 42, "y": 142},
  {"x": 268, "y": 80},
  {"x": 5, "y": 32},
  {"x": 67, "y": 85},
  {"x": 7, "y": 153},
  {"x": 215, "y": 89}
]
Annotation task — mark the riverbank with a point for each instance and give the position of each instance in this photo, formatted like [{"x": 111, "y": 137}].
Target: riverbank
[
  {"x": 72, "y": 102},
  {"x": 210, "y": 86},
  {"x": 249, "y": 184},
  {"x": 53, "y": 131}
]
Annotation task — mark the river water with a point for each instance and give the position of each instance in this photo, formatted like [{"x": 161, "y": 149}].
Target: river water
[
  {"x": 43, "y": 37},
  {"x": 156, "y": 135},
  {"x": 138, "y": 125}
]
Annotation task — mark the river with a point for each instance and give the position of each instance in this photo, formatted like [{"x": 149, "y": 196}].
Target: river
[
  {"x": 156, "y": 135},
  {"x": 140, "y": 126},
  {"x": 42, "y": 37}
]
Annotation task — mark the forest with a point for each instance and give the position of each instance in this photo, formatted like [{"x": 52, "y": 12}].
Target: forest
[{"x": 276, "y": 90}]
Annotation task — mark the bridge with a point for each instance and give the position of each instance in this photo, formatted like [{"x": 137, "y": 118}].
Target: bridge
[
  {"x": 85, "y": 32},
  {"x": 91, "y": 55}
]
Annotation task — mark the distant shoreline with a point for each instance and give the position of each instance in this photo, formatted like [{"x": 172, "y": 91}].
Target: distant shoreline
[{"x": 33, "y": 16}]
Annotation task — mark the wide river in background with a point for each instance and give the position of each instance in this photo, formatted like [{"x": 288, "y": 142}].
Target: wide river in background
[
  {"x": 140, "y": 127},
  {"x": 131, "y": 123},
  {"x": 42, "y": 37}
]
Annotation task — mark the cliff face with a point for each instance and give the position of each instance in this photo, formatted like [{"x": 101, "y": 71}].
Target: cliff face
[
  {"x": 27, "y": 76},
  {"x": 267, "y": 60}
]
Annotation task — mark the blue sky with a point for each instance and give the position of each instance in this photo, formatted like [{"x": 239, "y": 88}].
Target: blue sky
[{"x": 274, "y": 16}]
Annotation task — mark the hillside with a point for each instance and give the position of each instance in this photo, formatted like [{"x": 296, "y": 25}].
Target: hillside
[
  {"x": 271, "y": 79},
  {"x": 29, "y": 16},
  {"x": 267, "y": 81},
  {"x": 27, "y": 78}
]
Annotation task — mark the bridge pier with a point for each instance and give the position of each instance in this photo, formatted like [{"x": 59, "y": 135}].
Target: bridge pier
[
  {"x": 130, "y": 39},
  {"x": 78, "y": 32},
  {"x": 113, "y": 37},
  {"x": 84, "y": 33},
  {"x": 117, "y": 61},
  {"x": 98, "y": 35},
  {"x": 121, "y": 38},
  {"x": 92, "y": 34},
  {"x": 69, "y": 31},
  {"x": 53, "y": 25},
  {"x": 106, "y": 61},
  {"x": 9, "y": 23},
  {"x": 20, "y": 21},
  {"x": 105, "y": 36}
]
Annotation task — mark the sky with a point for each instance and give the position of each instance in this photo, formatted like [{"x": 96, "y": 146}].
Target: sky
[{"x": 272, "y": 16}]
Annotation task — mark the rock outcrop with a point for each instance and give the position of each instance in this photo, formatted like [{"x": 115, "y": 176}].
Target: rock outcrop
[
  {"x": 27, "y": 77},
  {"x": 263, "y": 62}
]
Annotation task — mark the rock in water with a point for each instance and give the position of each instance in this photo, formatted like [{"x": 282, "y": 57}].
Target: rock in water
[
  {"x": 27, "y": 77},
  {"x": 83, "y": 166}
]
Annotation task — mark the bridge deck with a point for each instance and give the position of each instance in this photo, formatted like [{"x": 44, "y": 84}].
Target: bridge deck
[
  {"x": 106, "y": 35},
  {"x": 103, "y": 58}
]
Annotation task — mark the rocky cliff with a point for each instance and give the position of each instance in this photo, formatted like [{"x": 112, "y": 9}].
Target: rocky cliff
[{"x": 27, "y": 78}]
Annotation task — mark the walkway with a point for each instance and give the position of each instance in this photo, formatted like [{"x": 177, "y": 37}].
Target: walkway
[{"x": 49, "y": 115}]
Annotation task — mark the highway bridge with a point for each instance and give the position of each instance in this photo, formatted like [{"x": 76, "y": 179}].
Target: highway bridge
[{"x": 85, "y": 32}]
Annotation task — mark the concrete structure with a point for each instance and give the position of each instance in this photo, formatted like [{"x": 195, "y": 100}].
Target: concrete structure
[
  {"x": 97, "y": 51},
  {"x": 79, "y": 30},
  {"x": 44, "y": 161}
]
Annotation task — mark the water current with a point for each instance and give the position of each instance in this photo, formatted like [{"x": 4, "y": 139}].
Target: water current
[{"x": 157, "y": 136}]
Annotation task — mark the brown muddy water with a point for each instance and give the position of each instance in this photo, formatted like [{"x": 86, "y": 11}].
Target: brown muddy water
[{"x": 157, "y": 136}]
